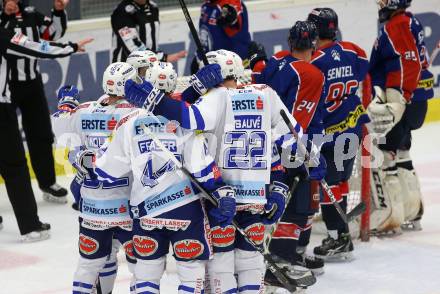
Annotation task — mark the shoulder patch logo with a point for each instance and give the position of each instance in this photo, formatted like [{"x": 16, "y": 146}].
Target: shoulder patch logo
[{"x": 335, "y": 55}]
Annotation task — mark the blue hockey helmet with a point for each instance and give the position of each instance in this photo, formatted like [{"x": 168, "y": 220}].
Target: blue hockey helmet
[
  {"x": 326, "y": 22},
  {"x": 302, "y": 36},
  {"x": 387, "y": 7}
]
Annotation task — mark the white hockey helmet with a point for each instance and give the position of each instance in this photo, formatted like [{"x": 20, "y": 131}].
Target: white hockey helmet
[
  {"x": 139, "y": 59},
  {"x": 163, "y": 76},
  {"x": 230, "y": 63},
  {"x": 115, "y": 76}
]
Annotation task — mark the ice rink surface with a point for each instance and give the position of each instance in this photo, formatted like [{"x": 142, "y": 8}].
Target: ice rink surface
[{"x": 409, "y": 263}]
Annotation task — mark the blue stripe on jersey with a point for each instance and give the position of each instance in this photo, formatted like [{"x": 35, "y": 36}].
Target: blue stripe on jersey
[
  {"x": 188, "y": 289},
  {"x": 147, "y": 284},
  {"x": 145, "y": 292},
  {"x": 199, "y": 119},
  {"x": 110, "y": 265},
  {"x": 82, "y": 285},
  {"x": 79, "y": 292},
  {"x": 186, "y": 122},
  {"x": 249, "y": 288},
  {"x": 231, "y": 291},
  {"x": 108, "y": 273},
  {"x": 103, "y": 175},
  {"x": 204, "y": 172}
]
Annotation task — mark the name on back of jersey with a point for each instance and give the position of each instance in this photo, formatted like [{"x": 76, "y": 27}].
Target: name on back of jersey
[
  {"x": 149, "y": 145},
  {"x": 248, "y": 122},
  {"x": 339, "y": 72}
]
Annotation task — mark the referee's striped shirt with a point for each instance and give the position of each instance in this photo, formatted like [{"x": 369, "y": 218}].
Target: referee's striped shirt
[
  {"x": 19, "y": 45},
  {"x": 35, "y": 26}
]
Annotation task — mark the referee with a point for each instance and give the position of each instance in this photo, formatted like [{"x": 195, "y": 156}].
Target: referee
[
  {"x": 13, "y": 167},
  {"x": 135, "y": 25},
  {"x": 27, "y": 90}
]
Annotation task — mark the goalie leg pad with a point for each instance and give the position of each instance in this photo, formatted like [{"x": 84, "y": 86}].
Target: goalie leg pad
[
  {"x": 411, "y": 193},
  {"x": 191, "y": 275},
  {"x": 250, "y": 268},
  {"x": 221, "y": 272},
  {"x": 148, "y": 274},
  {"x": 389, "y": 212}
]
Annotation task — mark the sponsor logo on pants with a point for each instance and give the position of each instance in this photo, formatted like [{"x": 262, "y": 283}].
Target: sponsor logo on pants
[
  {"x": 87, "y": 245},
  {"x": 223, "y": 237},
  {"x": 128, "y": 248},
  {"x": 188, "y": 249},
  {"x": 256, "y": 233},
  {"x": 144, "y": 246}
]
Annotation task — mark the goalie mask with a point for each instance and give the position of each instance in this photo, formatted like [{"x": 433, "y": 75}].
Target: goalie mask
[
  {"x": 115, "y": 76},
  {"x": 387, "y": 7},
  {"x": 230, "y": 63},
  {"x": 142, "y": 60},
  {"x": 163, "y": 76}
]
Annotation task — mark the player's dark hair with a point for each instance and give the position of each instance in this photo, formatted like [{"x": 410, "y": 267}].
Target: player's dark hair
[
  {"x": 326, "y": 22},
  {"x": 302, "y": 36}
]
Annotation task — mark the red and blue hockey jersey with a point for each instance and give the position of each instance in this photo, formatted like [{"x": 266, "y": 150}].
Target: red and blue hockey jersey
[
  {"x": 345, "y": 66},
  {"x": 298, "y": 83},
  {"x": 399, "y": 55},
  {"x": 214, "y": 37}
]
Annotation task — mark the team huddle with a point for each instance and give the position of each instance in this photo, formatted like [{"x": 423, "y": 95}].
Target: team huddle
[{"x": 217, "y": 174}]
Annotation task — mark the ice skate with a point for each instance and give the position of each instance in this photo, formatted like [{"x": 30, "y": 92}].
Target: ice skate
[
  {"x": 55, "y": 194},
  {"x": 40, "y": 234},
  {"x": 340, "y": 249}
]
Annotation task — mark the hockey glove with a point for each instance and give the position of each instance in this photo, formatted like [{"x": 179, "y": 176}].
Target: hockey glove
[
  {"x": 228, "y": 16},
  {"x": 68, "y": 98},
  {"x": 225, "y": 211},
  {"x": 318, "y": 170},
  {"x": 276, "y": 203},
  {"x": 256, "y": 53},
  {"x": 386, "y": 110},
  {"x": 143, "y": 95},
  {"x": 84, "y": 163},
  {"x": 206, "y": 78},
  {"x": 75, "y": 186}
]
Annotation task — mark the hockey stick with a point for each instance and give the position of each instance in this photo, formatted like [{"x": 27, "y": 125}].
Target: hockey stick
[
  {"x": 194, "y": 33},
  {"x": 279, "y": 273},
  {"x": 357, "y": 210},
  {"x": 434, "y": 54}
]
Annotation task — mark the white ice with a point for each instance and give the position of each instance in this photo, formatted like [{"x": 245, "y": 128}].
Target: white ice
[{"x": 409, "y": 263}]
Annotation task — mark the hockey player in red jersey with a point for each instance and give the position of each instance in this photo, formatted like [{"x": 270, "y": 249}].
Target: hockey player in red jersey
[
  {"x": 345, "y": 65},
  {"x": 300, "y": 87},
  {"x": 398, "y": 63}
]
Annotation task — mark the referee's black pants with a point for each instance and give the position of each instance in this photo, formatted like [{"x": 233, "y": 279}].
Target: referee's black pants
[
  {"x": 29, "y": 97},
  {"x": 15, "y": 172}
]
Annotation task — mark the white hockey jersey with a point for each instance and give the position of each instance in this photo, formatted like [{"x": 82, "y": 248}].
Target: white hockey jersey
[
  {"x": 243, "y": 124},
  {"x": 103, "y": 204},
  {"x": 157, "y": 186}
]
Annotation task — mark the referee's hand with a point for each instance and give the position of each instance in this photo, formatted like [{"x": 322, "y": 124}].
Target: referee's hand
[
  {"x": 82, "y": 44},
  {"x": 176, "y": 56}
]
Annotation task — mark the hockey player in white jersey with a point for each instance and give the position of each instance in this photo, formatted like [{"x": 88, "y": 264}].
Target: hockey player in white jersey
[
  {"x": 165, "y": 206},
  {"x": 142, "y": 61},
  {"x": 241, "y": 124},
  {"x": 104, "y": 206}
]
